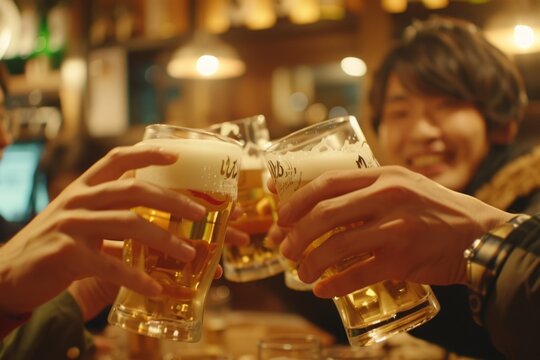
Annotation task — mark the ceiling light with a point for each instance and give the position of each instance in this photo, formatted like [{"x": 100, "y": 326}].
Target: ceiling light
[{"x": 205, "y": 57}]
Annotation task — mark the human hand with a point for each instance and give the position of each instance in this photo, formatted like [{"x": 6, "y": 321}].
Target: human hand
[
  {"x": 63, "y": 243},
  {"x": 415, "y": 229},
  {"x": 233, "y": 236}
]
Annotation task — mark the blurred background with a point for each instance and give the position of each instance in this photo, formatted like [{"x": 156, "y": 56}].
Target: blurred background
[{"x": 89, "y": 75}]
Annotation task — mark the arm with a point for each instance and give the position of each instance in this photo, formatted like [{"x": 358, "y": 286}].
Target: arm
[
  {"x": 62, "y": 320},
  {"x": 416, "y": 230},
  {"x": 512, "y": 313},
  {"x": 400, "y": 212}
]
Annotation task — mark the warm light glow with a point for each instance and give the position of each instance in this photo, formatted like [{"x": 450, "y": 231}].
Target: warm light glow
[
  {"x": 524, "y": 36},
  {"x": 207, "y": 65},
  {"x": 213, "y": 15},
  {"x": 10, "y": 26},
  {"x": 258, "y": 14},
  {"x": 337, "y": 111},
  {"x": 316, "y": 113},
  {"x": 73, "y": 72},
  {"x": 298, "y": 101},
  {"x": 435, "y": 4},
  {"x": 517, "y": 39},
  {"x": 394, "y": 6},
  {"x": 206, "y": 57},
  {"x": 5, "y": 40},
  {"x": 304, "y": 11},
  {"x": 353, "y": 66}
]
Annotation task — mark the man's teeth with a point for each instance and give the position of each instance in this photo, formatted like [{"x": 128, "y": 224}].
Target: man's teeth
[{"x": 426, "y": 160}]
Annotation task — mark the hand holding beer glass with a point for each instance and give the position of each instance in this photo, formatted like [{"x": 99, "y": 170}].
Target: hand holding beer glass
[
  {"x": 376, "y": 312},
  {"x": 257, "y": 260},
  {"x": 206, "y": 171}
]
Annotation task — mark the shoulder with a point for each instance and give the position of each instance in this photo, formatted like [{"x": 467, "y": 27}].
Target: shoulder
[{"x": 517, "y": 180}]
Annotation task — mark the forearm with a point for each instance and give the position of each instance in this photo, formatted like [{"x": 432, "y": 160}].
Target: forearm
[{"x": 54, "y": 329}]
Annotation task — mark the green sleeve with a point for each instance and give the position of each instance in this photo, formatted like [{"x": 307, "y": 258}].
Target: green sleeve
[{"x": 54, "y": 331}]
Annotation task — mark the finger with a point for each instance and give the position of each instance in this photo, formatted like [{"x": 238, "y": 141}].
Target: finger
[
  {"x": 329, "y": 185},
  {"x": 276, "y": 235},
  {"x": 351, "y": 245},
  {"x": 128, "y": 193},
  {"x": 237, "y": 211},
  {"x": 235, "y": 237},
  {"x": 121, "y": 159},
  {"x": 271, "y": 186},
  {"x": 219, "y": 272},
  {"x": 112, "y": 248},
  {"x": 353, "y": 278},
  {"x": 111, "y": 269},
  {"x": 120, "y": 225},
  {"x": 363, "y": 206}
]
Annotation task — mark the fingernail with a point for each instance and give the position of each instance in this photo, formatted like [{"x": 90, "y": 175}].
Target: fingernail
[
  {"x": 321, "y": 291},
  {"x": 286, "y": 249},
  {"x": 304, "y": 274},
  {"x": 168, "y": 154}
]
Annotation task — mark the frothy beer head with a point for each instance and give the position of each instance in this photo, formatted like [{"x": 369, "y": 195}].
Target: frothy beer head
[
  {"x": 292, "y": 170},
  {"x": 203, "y": 165}
]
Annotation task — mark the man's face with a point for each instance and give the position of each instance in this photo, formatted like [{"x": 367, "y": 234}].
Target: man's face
[{"x": 439, "y": 137}]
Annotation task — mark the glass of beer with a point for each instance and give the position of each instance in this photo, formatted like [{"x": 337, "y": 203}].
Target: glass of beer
[
  {"x": 207, "y": 171},
  {"x": 376, "y": 312},
  {"x": 258, "y": 259}
]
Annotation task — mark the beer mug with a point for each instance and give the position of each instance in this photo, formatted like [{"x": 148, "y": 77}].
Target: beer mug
[
  {"x": 375, "y": 312},
  {"x": 207, "y": 171},
  {"x": 258, "y": 259}
]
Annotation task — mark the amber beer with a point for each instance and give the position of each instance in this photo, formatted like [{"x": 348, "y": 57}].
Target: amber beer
[
  {"x": 375, "y": 312},
  {"x": 206, "y": 171},
  {"x": 258, "y": 259}
]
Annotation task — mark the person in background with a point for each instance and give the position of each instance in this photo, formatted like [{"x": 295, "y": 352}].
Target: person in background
[
  {"x": 447, "y": 104},
  {"x": 58, "y": 272}
]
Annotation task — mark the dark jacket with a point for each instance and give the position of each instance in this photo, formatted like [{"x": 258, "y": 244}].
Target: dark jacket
[
  {"x": 55, "y": 331},
  {"x": 510, "y": 180}
]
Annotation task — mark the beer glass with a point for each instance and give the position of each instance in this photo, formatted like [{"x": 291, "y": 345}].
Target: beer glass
[
  {"x": 207, "y": 171},
  {"x": 375, "y": 312},
  {"x": 258, "y": 259}
]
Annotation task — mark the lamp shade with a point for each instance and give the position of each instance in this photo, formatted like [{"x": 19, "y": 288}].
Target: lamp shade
[{"x": 205, "y": 57}]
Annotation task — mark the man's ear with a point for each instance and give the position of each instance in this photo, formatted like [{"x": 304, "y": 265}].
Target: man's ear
[{"x": 505, "y": 134}]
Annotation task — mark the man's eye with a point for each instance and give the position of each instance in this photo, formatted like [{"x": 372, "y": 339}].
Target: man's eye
[{"x": 398, "y": 114}]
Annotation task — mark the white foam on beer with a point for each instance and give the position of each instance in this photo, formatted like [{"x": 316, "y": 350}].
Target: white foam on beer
[
  {"x": 199, "y": 166},
  {"x": 252, "y": 162},
  {"x": 299, "y": 167},
  {"x": 252, "y": 158}
]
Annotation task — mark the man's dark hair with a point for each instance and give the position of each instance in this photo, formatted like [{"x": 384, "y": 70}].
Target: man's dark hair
[{"x": 451, "y": 57}]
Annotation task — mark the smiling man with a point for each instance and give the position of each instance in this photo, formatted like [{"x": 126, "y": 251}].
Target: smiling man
[{"x": 447, "y": 104}]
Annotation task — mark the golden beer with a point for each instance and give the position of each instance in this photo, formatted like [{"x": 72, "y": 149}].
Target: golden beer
[
  {"x": 207, "y": 172},
  {"x": 375, "y": 312},
  {"x": 258, "y": 259}
]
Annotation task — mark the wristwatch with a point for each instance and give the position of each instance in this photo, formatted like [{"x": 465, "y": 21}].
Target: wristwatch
[{"x": 485, "y": 258}]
